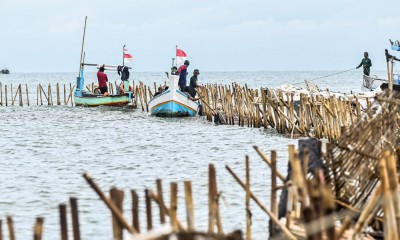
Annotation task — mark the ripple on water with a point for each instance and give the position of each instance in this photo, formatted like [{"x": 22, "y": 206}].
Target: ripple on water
[{"x": 45, "y": 150}]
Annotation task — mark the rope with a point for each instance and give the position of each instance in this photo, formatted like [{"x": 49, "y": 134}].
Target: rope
[{"x": 326, "y": 76}]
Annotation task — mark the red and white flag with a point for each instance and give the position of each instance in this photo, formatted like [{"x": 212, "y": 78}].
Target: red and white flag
[
  {"x": 180, "y": 56},
  {"x": 127, "y": 57}
]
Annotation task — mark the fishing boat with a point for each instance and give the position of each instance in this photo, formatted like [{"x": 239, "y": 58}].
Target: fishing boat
[
  {"x": 173, "y": 102},
  {"x": 5, "y": 71},
  {"x": 370, "y": 83},
  {"x": 96, "y": 98}
]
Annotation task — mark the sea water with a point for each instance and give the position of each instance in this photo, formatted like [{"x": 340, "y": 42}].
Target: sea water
[{"x": 44, "y": 150}]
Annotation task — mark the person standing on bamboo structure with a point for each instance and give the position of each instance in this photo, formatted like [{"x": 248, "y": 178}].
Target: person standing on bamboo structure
[{"x": 366, "y": 63}]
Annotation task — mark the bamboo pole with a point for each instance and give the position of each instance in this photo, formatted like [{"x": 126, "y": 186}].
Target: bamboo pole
[
  {"x": 274, "y": 205},
  {"x": 173, "y": 207},
  {"x": 27, "y": 95},
  {"x": 189, "y": 205},
  {"x": 12, "y": 99},
  {"x": 38, "y": 229},
  {"x": 135, "y": 211},
  {"x": 262, "y": 206},
  {"x": 75, "y": 218},
  {"x": 63, "y": 221},
  {"x": 10, "y": 224},
  {"x": 1, "y": 229},
  {"x": 161, "y": 198},
  {"x": 117, "y": 197},
  {"x": 114, "y": 209},
  {"x": 211, "y": 196},
  {"x": 248, "y": 212},
  {"x": 167, "y": 211},
  {"x": 5, "y": 94},
  {"x": 65, "y": 95},
  {"x": 1, "y": 96},
  {"x": 148, "y": 210},
  {"x": 58, "y": 94}
]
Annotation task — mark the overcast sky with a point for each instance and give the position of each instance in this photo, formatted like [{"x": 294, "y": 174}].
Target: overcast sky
[{"x": 230, "y": 35}]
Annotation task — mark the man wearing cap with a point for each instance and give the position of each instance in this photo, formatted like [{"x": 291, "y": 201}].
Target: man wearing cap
[
  {"x": 193, "y": 83},
  {"x": 366, "y": 63}
]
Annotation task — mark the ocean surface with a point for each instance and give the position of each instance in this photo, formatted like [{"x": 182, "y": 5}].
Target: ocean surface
[{"x": 44, "y": 150}]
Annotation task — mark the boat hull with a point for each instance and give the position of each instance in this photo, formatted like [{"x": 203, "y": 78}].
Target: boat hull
[
  {"x": 173, "y": 102},
  {"x": 95, "y": 101}
]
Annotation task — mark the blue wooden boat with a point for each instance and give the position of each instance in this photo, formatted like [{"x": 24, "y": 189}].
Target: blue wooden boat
[{"x": 173, "y": 102}]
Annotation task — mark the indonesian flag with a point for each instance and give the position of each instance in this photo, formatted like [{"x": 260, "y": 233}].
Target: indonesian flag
[
  {"x": 180, "y": 56},
  {"x": 127, "y": 57}
]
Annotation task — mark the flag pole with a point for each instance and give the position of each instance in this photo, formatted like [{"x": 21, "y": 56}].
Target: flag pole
[
  {"x": 123, "y": 52},
  {"x": 83, "y": 43},
  {"x": 176, "y": 57}
]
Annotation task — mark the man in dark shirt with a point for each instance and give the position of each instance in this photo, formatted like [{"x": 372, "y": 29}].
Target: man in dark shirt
[
  {"x": 193, "y": 83},
  {"x": 366, "y": 63},
  {"x": 103, "y": 79},
  {"x": 182, "y": 71}
]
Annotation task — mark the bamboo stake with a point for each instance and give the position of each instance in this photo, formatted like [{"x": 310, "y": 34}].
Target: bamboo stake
[
  {"x": 12, "y": 99},
  {"x": 75, "y": 218},
  {"x": 63, "y": 221},
  {"x": 167, "y": 211},
  {"x": 211, "y": 196},
  {"x": 65, "y": 95},
  {"x": 148, "y": 210},
  {"x": 58, "y": 94},
  {"x": 248, "y": 212},
  {"x": 274, "y": 205},
  {"x": 114, "y": 209},
  {"x": 262, "y": 206},
  {"x": 10, "y": 224},
  {"x": 27, "y": 96},
  {"x": 38, "y": 229},
  {"x": 161, "y": 198},
  {"x": 189, "y": 205},
  {"x": 135, "y": 211},
  {"x": 117, "y": 197},
  {"x": 1, "y": 229},
  {"x": 1, "y": 98},
  {"x": 5, "y": 93},
  {"x": 173, "y": 207}
]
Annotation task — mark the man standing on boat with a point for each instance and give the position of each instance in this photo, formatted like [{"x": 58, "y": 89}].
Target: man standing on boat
[
  {"x": 366, "y": 63},
  {"x": 182, "y": 71},
  {"x": 193, "y": 83},
  {"x": 103, "y": 79}
]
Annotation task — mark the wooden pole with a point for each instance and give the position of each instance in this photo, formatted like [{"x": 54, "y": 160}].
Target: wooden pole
[
  {"x": 63, "y": 221},
  {"x": 189, "y": 205},
  {"x": 274, "y": 205},
  {"x": 173, "y": 207},
  {"x": 211, "y": 197},
  {"x": 10, "y": 224},
  {"x": 161, "y": 198},
  {"x": 58, "y": 94},
  {"x": 114, "y": 209},
  {"x": 268, "y": 162},
  {"x": 27, "y": 95},
  {"x": 65, "y": 95},
  {"x": 38, "y": 229},
  {"x": 248, "y": 212},
  {"x": 1, "y": 229},
  {"x": 5, "y": 94},
  {"x": 12, "y": 99},
  {"x": 148, "y": 210},
  {"x": 135, "y": 211},
  {"x": 117, "y": 197},
  {"x": 75, "y": 218}
]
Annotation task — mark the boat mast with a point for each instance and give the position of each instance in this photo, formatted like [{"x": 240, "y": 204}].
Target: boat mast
[
  {"x": 83, "y": 43},
  {"x": 123, "y": 53}
]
